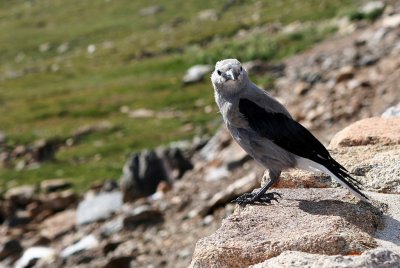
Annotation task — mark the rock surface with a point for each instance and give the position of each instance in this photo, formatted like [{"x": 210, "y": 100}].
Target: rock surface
[
  {"x": 328, "y": 226},
  {"x": 369, "y": 131},
  {"x": 371, "y": 258}
]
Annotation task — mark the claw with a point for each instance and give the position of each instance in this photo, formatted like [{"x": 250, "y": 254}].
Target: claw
[{"x": 251, "y": 198}]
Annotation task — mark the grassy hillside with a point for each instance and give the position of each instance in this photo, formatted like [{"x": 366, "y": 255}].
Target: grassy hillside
[{"x": 50, "y": 84}]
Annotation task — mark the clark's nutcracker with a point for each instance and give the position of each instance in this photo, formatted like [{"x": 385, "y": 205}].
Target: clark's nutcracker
[{"x": 267, "y": 132}]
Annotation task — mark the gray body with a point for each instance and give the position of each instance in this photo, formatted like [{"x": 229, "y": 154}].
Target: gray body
[
  {"x": 231, "y": 85},
  {"x": 261, "y": 149}
]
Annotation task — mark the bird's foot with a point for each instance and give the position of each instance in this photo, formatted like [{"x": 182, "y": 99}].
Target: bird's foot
[{"x": 251, "y": 198}]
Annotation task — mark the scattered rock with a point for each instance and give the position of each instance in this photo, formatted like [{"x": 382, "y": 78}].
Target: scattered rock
[
  {"x": 59, "y": 200},
  {"x": 196, "y": 73},
  {"x": 301, "y": 88},
  {"x": 142, "y": 215},
  {"x": 369, "y": 131},
  {"x": 86, "y": 243},
  {"x": 44, "y": 150},
  {"x": 141, "y": 175},
  {"x": 257, "y": 233},
  {"x": 393, "y": 111},
  {"x": 35, "y": 254},
  {"x": 54, "y": 185},
  {"x": 239, "y": 187},
  {"x": 99, "y": 207},
  {"x": 111, "y": 227},
  {"x": 89, "y": 129},
  {"x": 151, "y": 10},
  {"x": 391, "y": 21},
  {"x": 345, "y": 73},
  {"x": 58, "y": 224},
  {"x": 215, "y": 174},
  {"x": 142, "y": 113},
  {"x": 208, "y": 14},
  {"x": 21, "y": 195},
  {"x": 216, "y": 144},
  {"x": 372, "y": 258},
  {"x": 372, "y": 6}
]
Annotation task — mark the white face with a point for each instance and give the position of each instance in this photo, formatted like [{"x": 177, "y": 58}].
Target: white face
[{"x": 228, "y": 75}]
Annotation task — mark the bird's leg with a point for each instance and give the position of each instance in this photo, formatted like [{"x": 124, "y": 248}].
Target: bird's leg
[{"x": 260, "y": 195}]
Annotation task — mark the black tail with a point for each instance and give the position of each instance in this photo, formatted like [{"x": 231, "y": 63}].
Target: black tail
[{"x": 344, "y": 177}]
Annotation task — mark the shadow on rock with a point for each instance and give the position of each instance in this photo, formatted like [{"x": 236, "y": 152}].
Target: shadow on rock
[{"x": 366, "y": 217}]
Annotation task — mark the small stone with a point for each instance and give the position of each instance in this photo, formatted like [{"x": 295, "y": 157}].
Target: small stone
[
  {"x": 54, "y": 185},
  {"x": 86, "y": 243},
  {"x": 151, "y": 10},
  {"x": 59, "y": 201},
  {"x": 216, "y": 174},
  {"x": 142, "y": 214},
  {"x": 142, "y": 113},
  {"x": 301, "y": 88},
  {"x": 393, "y": 111},
  {"x": 345, "y": 73},
  {"x": 372, "y": 6},
  {"x": 99, "y": 207},
  {"x": 196, "y": 73},
  {"x": 391, "y": 21},
  {"x": 43, "y": 254},
  {"x": 58, "y": 224},
  {"x": 111, "y": 227},
  {"x": 208, "y": 14},
  {"x": 21, "y": 195}
]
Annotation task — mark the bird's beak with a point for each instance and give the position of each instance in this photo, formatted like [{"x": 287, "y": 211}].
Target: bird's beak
[{"x": 231, "y": 75}]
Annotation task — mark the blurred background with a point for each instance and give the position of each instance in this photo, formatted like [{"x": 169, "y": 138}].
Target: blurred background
[
  {"x": 102, "y": 79},
  {"x": 88, "y": 87}
]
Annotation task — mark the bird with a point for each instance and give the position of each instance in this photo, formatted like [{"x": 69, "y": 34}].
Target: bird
[{"x": 264, "y": 128}]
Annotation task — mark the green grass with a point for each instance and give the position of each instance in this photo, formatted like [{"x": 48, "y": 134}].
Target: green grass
[{"x": 138, "y": 62}]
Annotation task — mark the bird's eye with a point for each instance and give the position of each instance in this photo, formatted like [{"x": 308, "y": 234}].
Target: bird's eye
[{"x": 219, "y": 72}]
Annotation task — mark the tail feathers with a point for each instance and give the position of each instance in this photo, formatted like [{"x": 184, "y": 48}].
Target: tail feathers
[
  {"x": 336, "y": 171},
  {"x": 348, "y": 182}
]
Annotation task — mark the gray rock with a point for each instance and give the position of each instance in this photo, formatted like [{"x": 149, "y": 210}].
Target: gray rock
[
  {"x": 111, "y": 227},
  {"x": 196, "y": 73},
  {"x": 86, "y": 243},
  {"x": 372, "y": 258},
  {"x": 383, "y": 174},
  {"x": 393, "y": 111},
  {"x": 239, "y": 187},
  {"x": 142, "y": 215},
  {"x": 99, "y": 207},
  {"x": 145, "y": 170},
  {"x": 372, "y": 6},
  {"x": 141, "y": 175},
  {"x": 329, "y": 225}
]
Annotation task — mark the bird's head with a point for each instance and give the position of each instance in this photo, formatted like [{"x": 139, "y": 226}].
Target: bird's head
[{"x": 229, "y": 76}]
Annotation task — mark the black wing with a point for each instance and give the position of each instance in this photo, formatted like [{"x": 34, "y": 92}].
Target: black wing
[{"x": 294, "y": 138}]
